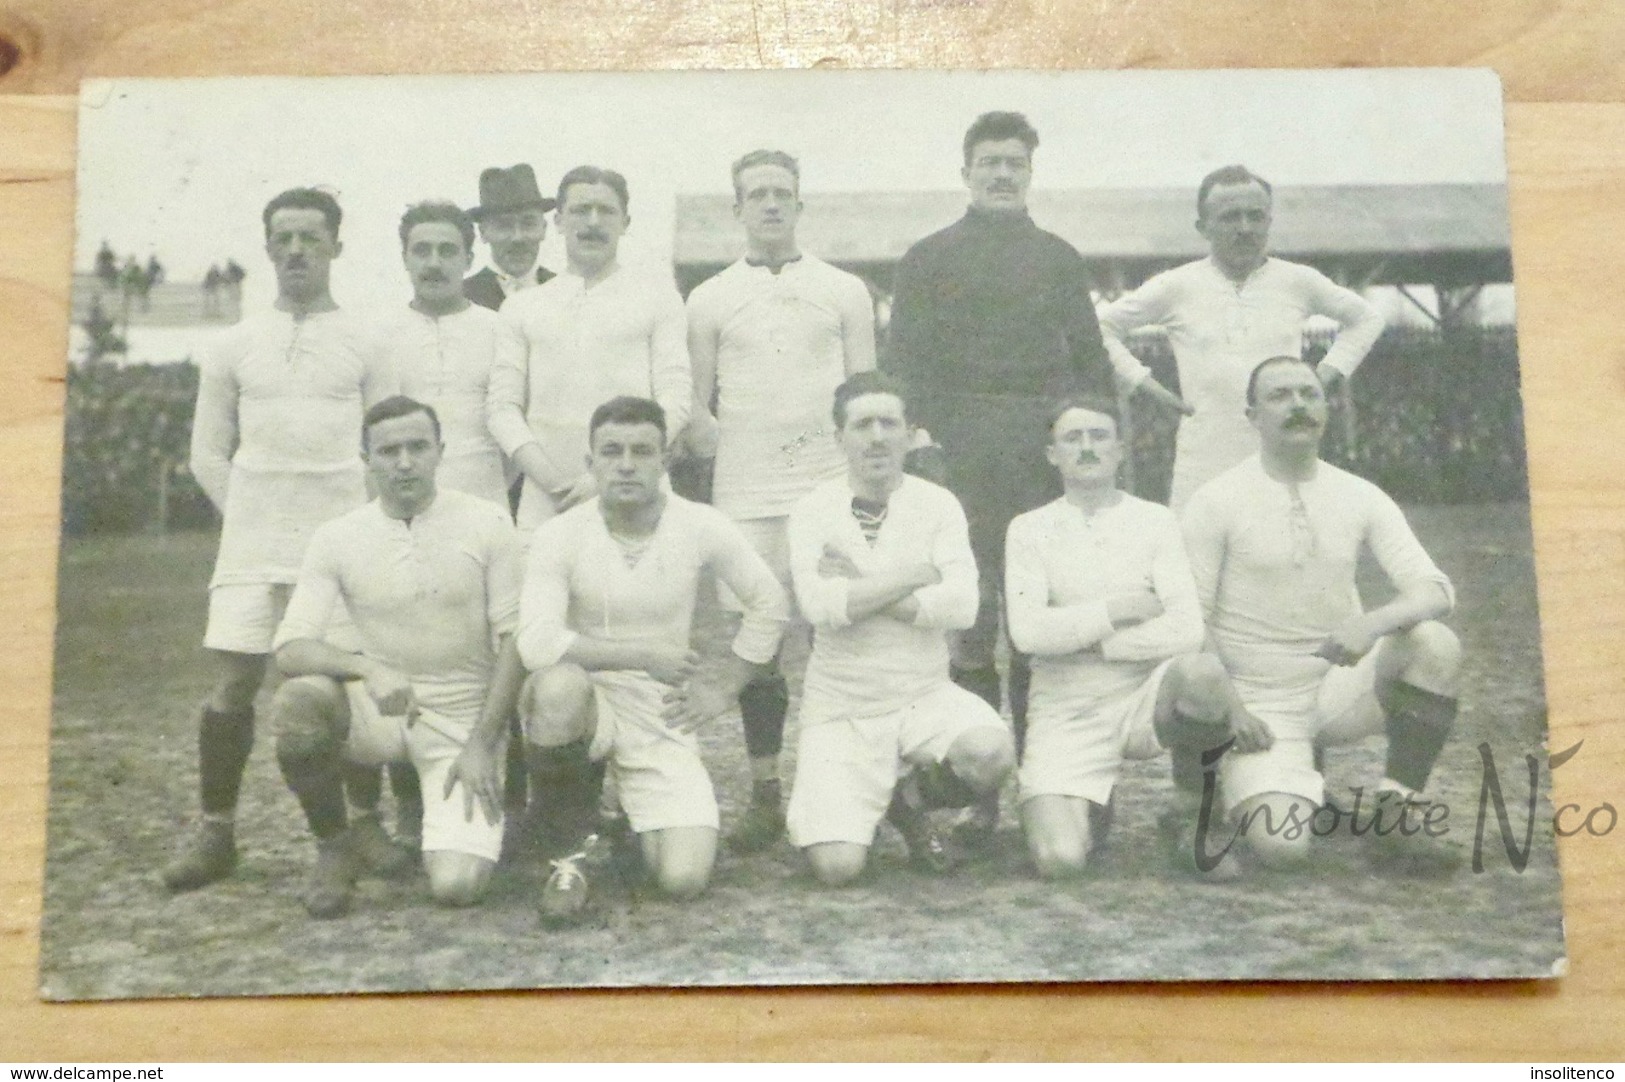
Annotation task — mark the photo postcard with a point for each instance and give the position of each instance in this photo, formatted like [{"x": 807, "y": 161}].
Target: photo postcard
[{"x": 798, "y": 528}]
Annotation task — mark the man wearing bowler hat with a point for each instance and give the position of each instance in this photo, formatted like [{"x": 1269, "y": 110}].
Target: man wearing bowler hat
[{"x": 512, "y": 219}]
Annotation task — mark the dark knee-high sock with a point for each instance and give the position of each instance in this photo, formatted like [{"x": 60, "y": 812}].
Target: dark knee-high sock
[
  {"x": 940, "y": 787},
  {"x": 516, "y": 791},
  {"x": 364, "y": 785},
  {"x": 567, "y": 784},
  {"x": 1188, "y": 739},
  {"x": 224, "y": 740},
  {"x": 1419, "y": 722},
  {"x": 407, "y": 787},
  {"x": 763, "y": 705},
  {"x": 1021, "y": 682},
  {"x": 314, "y": 772}
]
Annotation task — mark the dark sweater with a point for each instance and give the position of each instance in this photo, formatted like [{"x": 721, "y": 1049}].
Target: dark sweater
[{"x": 993, "y": 305}]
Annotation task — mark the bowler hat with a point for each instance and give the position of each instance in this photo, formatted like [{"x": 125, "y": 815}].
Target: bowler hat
[{"x": 504, "y": 190}]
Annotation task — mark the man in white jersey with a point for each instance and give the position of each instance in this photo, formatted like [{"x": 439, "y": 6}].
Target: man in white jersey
[
  {"x": 883, "y": 571},
  {"x": 1223, "y": 315},
  {"x": 1274, "y": 544},
  {"x": 430, "y": 578},
  {"x": 774, "y": 335},
  {"x": 444, "y": 347},
  {"x": 1100, "y": 593},
  {"x": 608, "y": 604},
  {"x": 596, "y": 331},
  {"x": 274, "y": 446}
]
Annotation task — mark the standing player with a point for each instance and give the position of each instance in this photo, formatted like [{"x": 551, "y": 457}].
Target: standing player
[
  {"x": 774, "y": 334},
  {"x": 883, "y": 570},
  {"x": 596, "y": 331},
  {"x": 512, "y": 216},
  {"x": 1274, "y": 544},
  {"x": 1226, "y": 313},
  {"x": 431, "y": 580},
  {"x": 1100, "y": 594},
  {"x": 608, "y": 604},
  {"x": 444, "y": 347},
  {"x": 274, "y": 445},
  {"x": 992, "y": 320}
]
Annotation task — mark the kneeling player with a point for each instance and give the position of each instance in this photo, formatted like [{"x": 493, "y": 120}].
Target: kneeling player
[
  {"x": 608, "y": 604},
  {"x": 883, "y": 569},
  {"x": 1100, "y": 593},
  {"x": 1274, "y": 544},
  {"x": 431, "y": 581}
]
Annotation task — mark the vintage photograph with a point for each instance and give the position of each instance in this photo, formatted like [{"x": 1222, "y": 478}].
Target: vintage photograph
[{"x": 617, "y": 530}]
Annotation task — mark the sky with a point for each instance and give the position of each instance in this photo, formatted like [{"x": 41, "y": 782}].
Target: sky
[{"x": 181, "y": 168}]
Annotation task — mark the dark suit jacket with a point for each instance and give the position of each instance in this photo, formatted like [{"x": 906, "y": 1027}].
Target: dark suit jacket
[{"x": 484, "y": 289}]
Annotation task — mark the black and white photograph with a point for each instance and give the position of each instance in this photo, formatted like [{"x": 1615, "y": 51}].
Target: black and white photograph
[{"x": 795, "y": 528}]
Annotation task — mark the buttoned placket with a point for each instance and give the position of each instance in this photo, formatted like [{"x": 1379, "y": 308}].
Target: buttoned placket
[
  {"x": 416, "y": 567},
  {"x": 1239, "y": 319}
]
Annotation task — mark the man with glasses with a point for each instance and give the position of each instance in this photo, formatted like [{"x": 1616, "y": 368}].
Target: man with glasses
[
  {"x": 1274, "y": 545},
  {"x": 512, "y": 218}
]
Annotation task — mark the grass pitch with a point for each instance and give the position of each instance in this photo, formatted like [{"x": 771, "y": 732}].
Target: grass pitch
[{"x": 130, "y": 674}]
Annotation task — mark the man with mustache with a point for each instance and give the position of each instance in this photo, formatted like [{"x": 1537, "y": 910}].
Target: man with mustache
[
  {"x": 444, "y": 347},
  {"x": 991, "y": 321},
  {"x": 275, "y": 445},
  {"x": 883, "y": 571},
  {"x": 512, "y": 217},
  {"x": 1100, "y": 593},
  {"x": 596, "y": 331},
  {"x": 1274, "y": 545},
  {"x": 774, "y": 335},
  {"x": 430, "y": 577},
  {"x": 1225, "y": 312}
]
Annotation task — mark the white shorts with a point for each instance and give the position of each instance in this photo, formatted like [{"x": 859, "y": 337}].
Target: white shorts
[
  {"x": 431, "y": 745},
  {"x": 847, "y": 767},
  {"x": 243, "y": 618},
  {"x": 1080, "y": 752},
  {"x": 1339, "y": 708},
  {"x": 656, "y": 771}
]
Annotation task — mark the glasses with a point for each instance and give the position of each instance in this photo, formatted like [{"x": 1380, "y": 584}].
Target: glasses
[{"x": 1304, "y": 545}]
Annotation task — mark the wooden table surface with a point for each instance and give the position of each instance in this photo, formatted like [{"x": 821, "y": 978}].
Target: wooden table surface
[{"x": 1563, "y": 65}]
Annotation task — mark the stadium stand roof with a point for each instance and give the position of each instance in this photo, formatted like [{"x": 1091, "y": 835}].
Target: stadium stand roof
[{"x": 1450, "y": 235}]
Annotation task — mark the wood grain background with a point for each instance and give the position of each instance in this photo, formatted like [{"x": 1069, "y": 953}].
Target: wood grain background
[{"x": 1561, "y": 62}]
